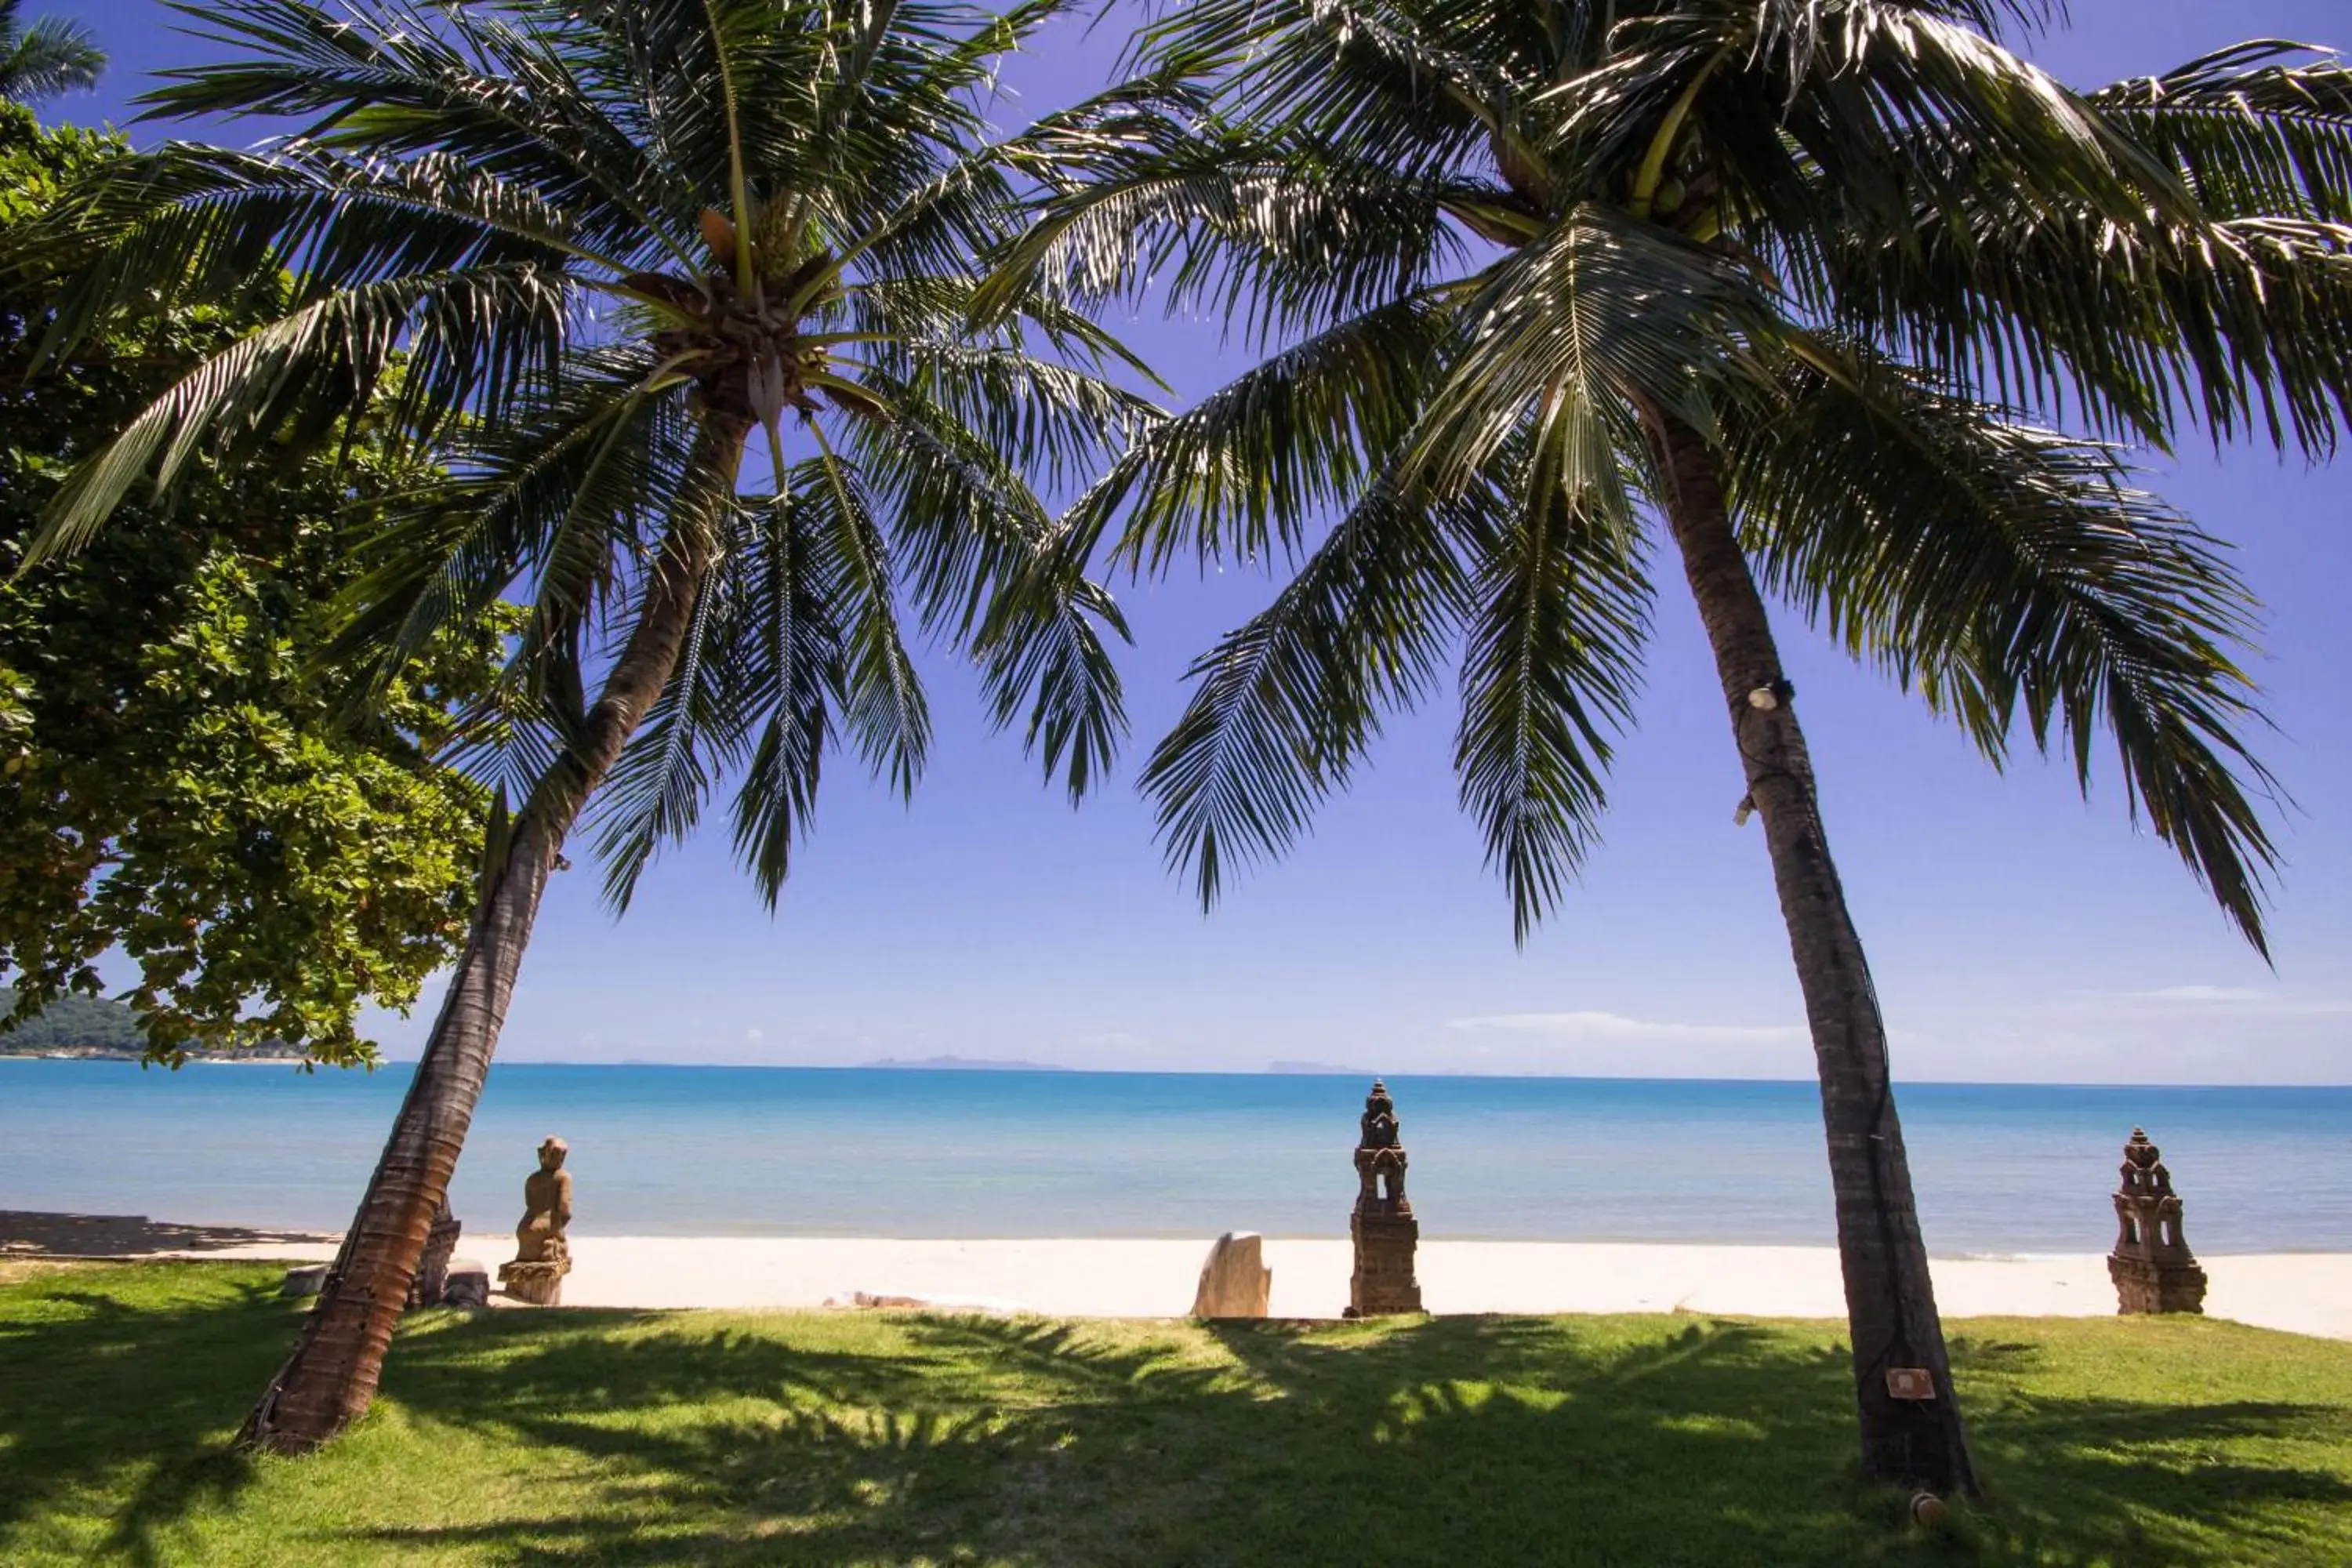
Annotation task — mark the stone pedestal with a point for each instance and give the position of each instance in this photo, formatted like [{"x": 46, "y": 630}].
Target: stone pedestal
[
  {"x": 1384, "y": 1283},
  {"x": 2152, "y": 1267},
  {"x": 432, "y": 1267},
  {"x": 540, "y": 1282},
  {"x": 1382, "y": 1226},
  {"x": 1234, "y": 1281}
]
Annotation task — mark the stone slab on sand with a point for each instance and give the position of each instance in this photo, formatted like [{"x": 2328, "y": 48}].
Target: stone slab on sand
[{"x": 2308, "y": 1293}]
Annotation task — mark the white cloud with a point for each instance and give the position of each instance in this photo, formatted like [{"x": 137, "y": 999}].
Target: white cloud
[
  {"x": 2196, "y": 994},
  {"x": 755, "y": 1035},
  {"x": 1611, "y": 1045},
  {"x": 2218, "y": 1000},
  {"x": 1594, "y": 1027}
]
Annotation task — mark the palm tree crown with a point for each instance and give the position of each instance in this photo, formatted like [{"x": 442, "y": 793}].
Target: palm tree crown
[
  {"x": 619, "y": 247},
  {"x": 1847, "y": 241},
  {"x": 46, "y": 58}
]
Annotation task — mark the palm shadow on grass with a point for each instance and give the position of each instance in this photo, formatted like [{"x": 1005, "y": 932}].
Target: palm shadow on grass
[
  {"x": 1447, "y": 1441},
  {"x": 651, "y": 1439},
  {"x": 91, "y": 1387}
]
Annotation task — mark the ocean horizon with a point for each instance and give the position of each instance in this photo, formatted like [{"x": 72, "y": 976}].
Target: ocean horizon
[{"x": 969, "y": 1149}]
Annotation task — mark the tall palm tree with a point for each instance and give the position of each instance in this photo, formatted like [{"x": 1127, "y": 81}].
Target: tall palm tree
[
  {"x": 609, "y": 255},
  {"x": 1791, "y": 272},
  {"x": 46, "y": 58}
]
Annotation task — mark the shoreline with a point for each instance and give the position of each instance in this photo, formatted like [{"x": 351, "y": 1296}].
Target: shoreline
[{"x": 2306, "y": 1293}]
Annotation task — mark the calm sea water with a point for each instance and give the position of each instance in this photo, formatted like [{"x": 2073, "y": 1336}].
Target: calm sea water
[{"x": 785, "y": 1151}]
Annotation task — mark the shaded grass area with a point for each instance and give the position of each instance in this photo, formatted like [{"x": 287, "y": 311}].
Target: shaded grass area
[{"x": 840, "y": 1439}]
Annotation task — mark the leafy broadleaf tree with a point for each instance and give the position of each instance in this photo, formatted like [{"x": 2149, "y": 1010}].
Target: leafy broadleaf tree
[
  {"x": 636, "y": 255},
  {"x": 175, "y": 778},
  {"x": 1794, "y": 276},
  {"x": 46, "y": 59}
]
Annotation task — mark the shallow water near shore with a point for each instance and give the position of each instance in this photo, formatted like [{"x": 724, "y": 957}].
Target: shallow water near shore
[{"x": 681, "y": 1151}]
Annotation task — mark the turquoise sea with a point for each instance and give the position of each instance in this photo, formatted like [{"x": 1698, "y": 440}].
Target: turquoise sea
[{"x": 902, "y": 1152}]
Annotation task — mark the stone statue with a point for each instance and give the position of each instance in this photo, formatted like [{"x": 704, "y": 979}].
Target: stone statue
[
  {"x": 543, "y": 1255},
  {"x": 1383, "y": 1228},
  {"x": 2152, "y": 1266},
  {"x": 433, "y": 1268}
]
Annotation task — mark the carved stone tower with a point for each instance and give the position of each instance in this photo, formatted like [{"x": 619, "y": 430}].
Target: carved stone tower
[
  {"x": 2152, "y": 1266},
  {"x": 1382, "y": 1226}
]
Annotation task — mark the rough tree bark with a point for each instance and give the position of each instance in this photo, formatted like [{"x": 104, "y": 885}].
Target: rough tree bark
[
  {"x": 330, "y": 1379},
  {"x": 1890, "y": 1301}
]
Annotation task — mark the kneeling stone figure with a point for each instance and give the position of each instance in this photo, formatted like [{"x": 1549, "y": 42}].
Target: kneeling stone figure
[{"x": 542, "y": 1255}]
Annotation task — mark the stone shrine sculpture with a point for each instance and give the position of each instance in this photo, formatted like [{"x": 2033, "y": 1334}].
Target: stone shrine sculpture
[
  {"x": 2152, "y": 1266},
  {"x": 1382, "y": 1226},
  {"x": 432, "y": 1279},
  {"x": 543, "y": 1255},
  {"x": 1234, "y": 1281}
]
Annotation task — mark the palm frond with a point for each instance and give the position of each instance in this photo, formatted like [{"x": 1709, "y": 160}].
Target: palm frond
[
  {"x": 2243, "y": 325},
  {"x": 1267, "y": 235},
  {"x": 2233, "y": 314},
  {"x": 1599, "y": 310},
  {"x": 2261, "y": 129},
  {"x": 881, "y": 698},
  {"x": 656, "y": 793},
  {"x": 1249, "y": 467},
  {"x": 381, "y": 82},
  {"x": 1284, "y": 705},
  {"x": 988, "y": 568},
  {"x": 798, "y": 654},
  {"x": 51, "y": 56},
  {"x": 1559, "y": 612},
  {"x": 2015, "y": 572},
  {"x": 1371, "y": 80},
  {"x": 308, "y": 366}
]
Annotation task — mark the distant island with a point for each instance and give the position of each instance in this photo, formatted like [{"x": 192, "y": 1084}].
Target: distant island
[
  {"x": 967, "y": 1064},
  {"x": 92, "y": 1029},
  {"x": 75, "y": 1025},
  {"x": 1316, "y": 1069}
]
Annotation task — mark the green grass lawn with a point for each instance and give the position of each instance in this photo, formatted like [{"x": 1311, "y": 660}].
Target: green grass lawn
[{"x": 838, "y": 1438}]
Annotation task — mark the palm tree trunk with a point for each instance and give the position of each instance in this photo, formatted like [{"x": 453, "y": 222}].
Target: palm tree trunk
[
  {"x": 1890, "y": 1301},
  {"x": 330, "y": 1379}
]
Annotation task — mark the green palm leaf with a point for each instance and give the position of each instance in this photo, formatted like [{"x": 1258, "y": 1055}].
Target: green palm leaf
[
  {"x": 50, "y": 56},
  {"x": 2016, "y": 574},
  {"x": 2262, "y": 129},
  {"x": 1248, "y": 467},
  {"x": 1285, "y": 705},
  {"x": 1559, "y": 615}
]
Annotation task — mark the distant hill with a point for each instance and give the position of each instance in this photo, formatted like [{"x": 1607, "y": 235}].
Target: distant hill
[
  {"x": 1315, "y": 1069},
  {"x": 90, "y": 1026},
  {"x": 82, "y": 1024},
  {"x": 967, "y": 1064}
]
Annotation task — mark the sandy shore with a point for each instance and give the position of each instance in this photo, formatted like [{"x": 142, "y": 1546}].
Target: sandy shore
[{"x": 2309, "y": 1293}]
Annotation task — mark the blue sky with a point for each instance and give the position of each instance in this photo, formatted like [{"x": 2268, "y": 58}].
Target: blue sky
[{"x": 2016, "y": 932}]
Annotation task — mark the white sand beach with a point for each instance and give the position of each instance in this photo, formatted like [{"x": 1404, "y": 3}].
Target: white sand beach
[{"x": 2308, "y": 1293}]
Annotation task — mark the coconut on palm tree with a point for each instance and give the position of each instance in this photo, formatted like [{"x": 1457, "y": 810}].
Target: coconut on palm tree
[
  {"x": 46, "y": 59},
  {"x": 679, "y": 288},
  {"x": 1792, "y": 276}
]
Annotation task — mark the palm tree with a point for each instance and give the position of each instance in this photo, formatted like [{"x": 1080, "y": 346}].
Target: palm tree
[
  {"x": 607, "y": 254},
  {"x": 45, "y": 59},
  {"x": 1794, "y": 273}
]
